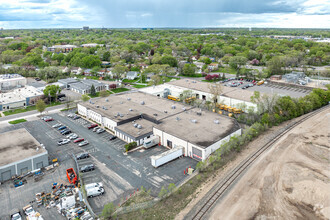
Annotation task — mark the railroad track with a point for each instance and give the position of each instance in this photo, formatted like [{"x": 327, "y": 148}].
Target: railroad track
[{"x": 228, "y": 181}]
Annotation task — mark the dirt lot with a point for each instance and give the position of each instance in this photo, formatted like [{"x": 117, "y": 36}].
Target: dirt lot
[{"x": 291, "y": 181}]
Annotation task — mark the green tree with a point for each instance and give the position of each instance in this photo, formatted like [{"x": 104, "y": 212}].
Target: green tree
[
  {"x": 189, "y": 69},
  {"x": 171, "y": 187},
  {"x": 169, "y": 60},
  {"x": 155, "y": 80},
  {"x": 274, "y": 66},
  {"x": 108, "y": 210},
  {"x": 93, "y": 92},
  {"x": 40, "y": 106},
  {"x": 52, "y": 91},
  {"x": 85, "y": 98},
  {"x": 119, "y": 70},
  {"x": 162, "y": 193},
  {"x": 237, "y": 62}
]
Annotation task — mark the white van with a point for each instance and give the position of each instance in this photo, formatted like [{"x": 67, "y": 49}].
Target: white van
[
  {"x": 94, "y": 185},
  {"x": 96, "y": 191}
]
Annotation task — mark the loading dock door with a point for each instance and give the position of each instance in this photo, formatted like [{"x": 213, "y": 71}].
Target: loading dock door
[
  {"x": 39, "y": 165},
  {"x": 6, "y": 175},
  {"x": 197, "y": 154},
  {"x": 24, "y": 170}
]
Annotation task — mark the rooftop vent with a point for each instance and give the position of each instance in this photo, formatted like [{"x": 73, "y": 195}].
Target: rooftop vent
[
  {"x": 173, "y": 107},
  {"x": 142, "y": 103},
  {"x": 165, "y": 111},
  {"x": 216, "y": 121},
  {"x": 130, "y": 109},
  {"x": 178, "y": 119},
  {"x": 128, "y": 98},
  {"x": 135, "y": 125},
  {"x": 97, "y": 106},
  {"x": 107, "y": 100},
  {"x": 194, "y": 121},
  {"x": 121, "y": 115},
  {"x": 184, "y": 109},
  {"x": 121, "y": 102},
  {"x": 199, "y": 113},
  {"x": 155, "y": 114},
  {"x": 139, "y": 126}
]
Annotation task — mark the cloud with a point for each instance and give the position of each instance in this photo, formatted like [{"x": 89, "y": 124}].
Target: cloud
[{"x": 170, "y": 13}]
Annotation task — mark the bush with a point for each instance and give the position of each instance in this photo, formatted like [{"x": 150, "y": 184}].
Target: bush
[
  {"x": 162, "y": 193},
  {"x": 130, "y": 146}
]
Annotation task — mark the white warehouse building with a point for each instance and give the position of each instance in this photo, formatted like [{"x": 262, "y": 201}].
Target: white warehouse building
[{"x": 137, "y": 116}]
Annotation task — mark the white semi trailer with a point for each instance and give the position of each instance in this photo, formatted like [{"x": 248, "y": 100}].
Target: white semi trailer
[
  {"x": 166, "y": 156},
  {"x": 150, "y": 142}
]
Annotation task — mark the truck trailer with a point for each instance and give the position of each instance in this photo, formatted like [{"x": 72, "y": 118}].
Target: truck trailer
[
  {"x": 150, "y": 142},
  {"x": 167, "y": 156}
]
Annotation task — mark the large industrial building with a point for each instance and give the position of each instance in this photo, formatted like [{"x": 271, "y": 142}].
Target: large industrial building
[
  {"x": 11, "y": 81},
  {"x": 201, "y": 90},
  {"x": 136, "y": 116},
  {"x": 20, "y": 153},
  {"x": 82, "y": 86},
  {"x": 20, "y": 98}
]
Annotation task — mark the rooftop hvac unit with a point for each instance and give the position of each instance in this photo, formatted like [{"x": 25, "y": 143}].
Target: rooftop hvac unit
[
  {"x": 178, "y": 119},
  {"x": 130, "y": 109},
  {"x": 173, "y": 107},
  {"x": 194, "y": 121},
  {"x": 121, "y": 102},
  {"x": 184, "y": 109},
  {"x": 187, "y": 80},
  {"x": 135, "y": 125},
  {"x": 118, "y": 114},
  {"x": 142, "y": 103},
  {"x": 155, "y": 114},
  {"x": 128, "y": 98},
  {"x": 193, "y": 81},
  {"x": 121, "y": 115},
  {"x": 97, "y": 106},
  {"x": 165, "y": 111},
  {"x": 139, "y": 126},
  {"x": 107, "y": 100},
  {"x": 216, "y": 122},
  {"x": 199, "y": 113}
]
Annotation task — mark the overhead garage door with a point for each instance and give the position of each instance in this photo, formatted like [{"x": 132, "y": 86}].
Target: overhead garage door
[
  {"x": 24, "y": 170},
  {"x": 39, "y": 165},
  {"x": 197, "y": 153},
  {"x": 6, "y": 175}
]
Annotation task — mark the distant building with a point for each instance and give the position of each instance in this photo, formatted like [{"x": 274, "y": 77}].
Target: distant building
[
  {"x": 91, "y": 45},
  {"x": 20, "y": 153},
  {"x": 132, "y": 75},
  {"x": 276, "y": 77},
  {"x": 11, "y": 81},
  {"x": 61, "y": 48},
  {"x": 85, "y": 28},
  {"x": 83, "y": 86}
]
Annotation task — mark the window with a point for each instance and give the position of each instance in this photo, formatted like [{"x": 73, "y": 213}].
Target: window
[
  {"x": 203, "y": 97},
  {"x": 169, "y": 143},
  {"x": 197, "y": 96}
]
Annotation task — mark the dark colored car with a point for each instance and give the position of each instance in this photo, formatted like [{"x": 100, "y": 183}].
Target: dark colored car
[
  {"x": 92, "y": 126},
  {"x": 67, "y": 132},
  {"x": 87, "y": 168},
  {"x": 76, "y": 117},
  {"x": 64, "y": 130},
  {"x": 82, "y": 156},
  {"x": 245, "y": 87},
  {"x": 61, "y": 128},
  {"x": 112, "y": 137},
  {"x": 37, "y": 79},
  {"x": 78, "y": 140}
]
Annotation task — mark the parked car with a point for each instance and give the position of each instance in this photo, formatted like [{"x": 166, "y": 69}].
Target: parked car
[
  {"x": 78, "y": 140},
  {"x": 64, "y": 141},
  {"x": 83, "y": 143},
  {"x": 94, "y": 185},
  {"x": 92, "y": 126},
  {"x": 112, "y": 137},
  {"x": 82, "y": 156},
  {"x": 61, "y": 128},
  {"x": 66, "y": 132},
  {"x": 76, "y": 117},
  {"x": 96, "y": 191},
  {"x": 74, "y": 136},
  {"x": 71, "y": 115},
  {"x": 49, "y": 119},
  {"x": 100, "y": 130},
  {"x": 245, "y": 86},
  {"x": 37, "y": 79},
  {"x": 87, "y": 168},
  {"x": 15, "y": 214},
  {"x": 250, "y": 84},
  {"x": 57, "y": 125},
  {"x": 28, "y": 210}
]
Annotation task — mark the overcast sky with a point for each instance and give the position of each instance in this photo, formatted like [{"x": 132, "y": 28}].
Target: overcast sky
[{"x": 164, "y": 13}]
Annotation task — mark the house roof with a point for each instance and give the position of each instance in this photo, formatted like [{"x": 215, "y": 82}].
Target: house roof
[{"x": 132, "y": 73}]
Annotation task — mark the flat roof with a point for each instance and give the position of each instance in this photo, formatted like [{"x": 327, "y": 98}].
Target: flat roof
[
  {"x": 124, "y": 106},
  {"x": 18, "y": 145},
  {"x": 130, "y": 129},
  {"x": 204, "y": 131}
]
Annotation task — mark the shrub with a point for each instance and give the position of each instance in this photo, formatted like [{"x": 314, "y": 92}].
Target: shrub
[{"x": 130, "y": 146}]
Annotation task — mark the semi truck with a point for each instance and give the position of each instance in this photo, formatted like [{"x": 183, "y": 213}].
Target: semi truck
[
  {"x": 150, "y": 142},
  {"x": 166, "y": 156}
]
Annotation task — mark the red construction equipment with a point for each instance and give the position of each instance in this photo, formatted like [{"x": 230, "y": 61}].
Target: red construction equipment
[{"x": 72, "y": 176}]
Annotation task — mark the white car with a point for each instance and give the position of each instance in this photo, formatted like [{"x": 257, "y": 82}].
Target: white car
[
  {"x": 28, "y": 210},
  {"x": 64, "y": 141},
  {"x": 57, "y": 125},
  {"x": 75, "y": 136},
  {"x": 83, "y": 143}
]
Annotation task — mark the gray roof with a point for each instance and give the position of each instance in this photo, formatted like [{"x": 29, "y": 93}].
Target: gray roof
[
  {"x": 86, "y": 84},
  {"x": 68, "y": 80},
  {"x": 132, "y": 73}
]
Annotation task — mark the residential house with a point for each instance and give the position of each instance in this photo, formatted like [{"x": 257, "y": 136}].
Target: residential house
[
  {"x": 213, "y": 66},
  {"x": 76, "y": 70},
  {"x": 148, "y": 76},
  {"x": 87, "y": 72},
  {"x": 61, "y": 48},
  {"x": 199, "y": 66},
  {"x": 105, "y": 63},
  {"x": 143, "y": 66},
  {"x": 132, "y": 75},
  {"x": 103, "y": 72}
]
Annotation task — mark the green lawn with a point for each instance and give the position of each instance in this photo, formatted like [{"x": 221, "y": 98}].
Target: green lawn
[
  {"x": 193, "y": 76},
  {"x": 117, "y": 90},
  {"x": 129, "y": 80},
  {"x": 17, "y": 121},
  {"x": 28, "y": 108},
  {"x": 140, "y": 86},
  {"x": 97, "y": 94}
]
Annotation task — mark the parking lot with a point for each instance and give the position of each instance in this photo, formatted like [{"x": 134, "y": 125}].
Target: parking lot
[
  {"x": 120, "y": 174},
  {"x": 272, "y": 89}
]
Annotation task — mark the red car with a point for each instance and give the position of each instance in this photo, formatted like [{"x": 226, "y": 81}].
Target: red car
[
  {"x": 92, "y": 126},
  {"x": 49, "y": 119},
  {"x": 78, "y": 140}
]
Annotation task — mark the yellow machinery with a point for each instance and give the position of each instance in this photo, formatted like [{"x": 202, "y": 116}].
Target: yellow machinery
[
  {"x": 222, "y": 107},
  {"x": 213, "y": 110},
  {"x": 230, "y": 109},
  {"x": 188, "y": 100},
  {"x": 220, "y": 112},
  {"x": 225, "y": 107},
  {"x": 230, "y": 115},
  {"x": 173, "y": 98},
  {"x": 237, "y": 111}
]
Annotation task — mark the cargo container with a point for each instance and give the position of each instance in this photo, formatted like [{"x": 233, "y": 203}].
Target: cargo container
[
  {"x": 150, "y": 142},
  {"x": 167, "y": 156},
  {"x": 72, "y": 176}
]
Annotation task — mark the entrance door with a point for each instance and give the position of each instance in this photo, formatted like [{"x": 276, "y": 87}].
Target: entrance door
[
  {"x": 169, "y": 143},
  {"x": 40, "y": 165}
]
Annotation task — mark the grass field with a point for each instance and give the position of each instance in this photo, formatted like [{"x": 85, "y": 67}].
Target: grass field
[
  {"x": 17, "y": 121},
  {"x": 140, "y": 86},
  {"x": 28, "y": 108},
  {"x": 118, "y": 90}
]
